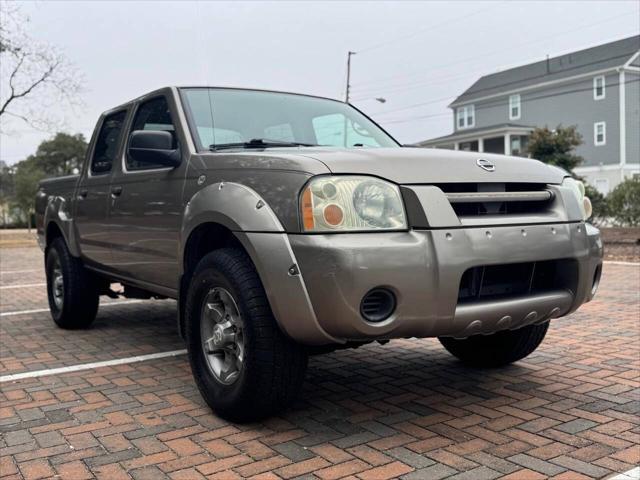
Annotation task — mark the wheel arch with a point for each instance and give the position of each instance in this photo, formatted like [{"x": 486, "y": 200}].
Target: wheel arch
[
  {"x": 231, "y": 214},
  {"x": 216, "y": 217},
  {"x": 59, "y": 223}
]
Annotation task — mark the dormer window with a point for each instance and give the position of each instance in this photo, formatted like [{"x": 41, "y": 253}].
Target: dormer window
[
  {"x": 598, "y": 88},
  {"x": 514, "y": 107},
  {"x": 466, "y": 117}
]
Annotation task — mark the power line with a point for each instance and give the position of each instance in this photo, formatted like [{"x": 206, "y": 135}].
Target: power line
[
  {"x": 514, "y": 82},
  {"x": 415, "y": 105},
  {"x": 503, "y": 102},
  {"x": 429, "y": 28},
  {"x": 496, "y": 52},
  {"x": 412, "y": 86},
  {"x": 504, "y": 85}
]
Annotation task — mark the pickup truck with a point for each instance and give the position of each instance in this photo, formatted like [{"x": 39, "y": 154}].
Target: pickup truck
[{"x": 286, "y": 225}]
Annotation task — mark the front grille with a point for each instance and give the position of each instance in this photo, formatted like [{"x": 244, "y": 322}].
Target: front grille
[
  {"x": 496, "y": 282},
  {"x": 478, "y": 199}
]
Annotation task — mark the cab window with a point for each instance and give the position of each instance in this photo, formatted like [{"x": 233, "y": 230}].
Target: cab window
[
  {"x": 152, "y": 115},
  {"x": 108, "y": 143}
]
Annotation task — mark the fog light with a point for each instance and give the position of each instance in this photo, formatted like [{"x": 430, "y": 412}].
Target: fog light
[{"x": 378, "y": 305}]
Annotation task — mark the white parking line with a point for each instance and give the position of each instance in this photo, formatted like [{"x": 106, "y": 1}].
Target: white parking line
[
  {"x": 613, "y": 262},
  {"x": 7, "y": 272},
  {"x": 89, "y": 366},
  {"x": 633, "y": 474},
  {"x": 40, "y": 310},
  {"x": 28, "y": 285}
]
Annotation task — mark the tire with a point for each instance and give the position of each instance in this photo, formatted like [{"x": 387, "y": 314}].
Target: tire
[
  {"x": 498, "y": 349},
  {"x": 247, "y": 369},
  {"x": 72, "y": 290}
]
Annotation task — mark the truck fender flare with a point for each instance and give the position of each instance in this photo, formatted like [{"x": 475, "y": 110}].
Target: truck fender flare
[
  {"x": 251, "y": 220},
  {"x": 235, "y": 206},
  {"x": 57, "y": 212}
]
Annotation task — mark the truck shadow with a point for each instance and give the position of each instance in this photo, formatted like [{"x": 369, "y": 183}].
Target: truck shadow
[{"x": 407, "y": 380}]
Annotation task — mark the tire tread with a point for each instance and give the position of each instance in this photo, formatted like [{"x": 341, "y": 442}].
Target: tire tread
[
  {"x": 500, "y": 348},
  {"x": 278, "y": 365},
  {"x": 81, "y": 297}
]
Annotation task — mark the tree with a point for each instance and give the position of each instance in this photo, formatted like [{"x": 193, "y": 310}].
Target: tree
[
  {"x": 27, "y": 176},
  {"x": 33, "y": 76},
  {"x": 6, "y": 191},
  {"x": 556, "y": 147},
  {"x": 624, "y": 202},
  {"x": 60, "y": 155}
]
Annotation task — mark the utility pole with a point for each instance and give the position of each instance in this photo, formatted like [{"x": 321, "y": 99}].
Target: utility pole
[{"x": 348, "y": 75}]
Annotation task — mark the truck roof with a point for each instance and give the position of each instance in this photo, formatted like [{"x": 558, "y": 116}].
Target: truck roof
[{"x": 160, "y": 90}]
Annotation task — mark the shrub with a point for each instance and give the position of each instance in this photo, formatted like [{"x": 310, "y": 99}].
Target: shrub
[
  {"x": 600, "y": 205},
  {"x": 624, "y": 202}
]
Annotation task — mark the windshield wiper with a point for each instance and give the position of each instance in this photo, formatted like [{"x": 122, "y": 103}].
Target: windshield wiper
[{"x": 259, "y": 143}]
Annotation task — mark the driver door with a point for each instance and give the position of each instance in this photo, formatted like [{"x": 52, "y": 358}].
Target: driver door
[{"x": 146, "y": 206}]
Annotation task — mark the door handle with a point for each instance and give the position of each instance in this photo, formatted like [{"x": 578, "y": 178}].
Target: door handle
[
  {"x": 82, "y": 194},
  {"x": 116, "y": 191}
]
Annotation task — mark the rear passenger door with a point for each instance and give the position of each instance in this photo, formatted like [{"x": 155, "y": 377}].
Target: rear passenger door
[
  {"x": 146, "y": 205},
  {"x": 92, "y": 200}
]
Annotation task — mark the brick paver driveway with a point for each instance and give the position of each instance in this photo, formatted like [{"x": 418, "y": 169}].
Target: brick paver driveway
[{"x": 406, "y": 409}]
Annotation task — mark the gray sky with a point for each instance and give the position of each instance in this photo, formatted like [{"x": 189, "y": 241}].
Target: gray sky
[{"x": 408, "y": 52}]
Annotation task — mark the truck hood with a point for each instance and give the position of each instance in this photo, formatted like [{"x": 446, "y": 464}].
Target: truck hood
[{"x": 422, "y": 165}]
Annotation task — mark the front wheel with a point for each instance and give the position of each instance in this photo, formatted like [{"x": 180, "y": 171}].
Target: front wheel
[
  {"x": 244, "y": 366},
  {"x": 500, "y": 348}
]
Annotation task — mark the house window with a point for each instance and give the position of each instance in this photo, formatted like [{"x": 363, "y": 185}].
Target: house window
[
  {"x": 598, "y": 88},
  {"x": 600, "y": 133},
  {"x": 466, "y": 116},
  {"x": 514, "y": 107},
  {"x": 516, "y": 145}
]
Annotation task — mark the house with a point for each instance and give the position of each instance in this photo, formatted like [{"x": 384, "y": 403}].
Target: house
[{"x": 596, "y": 89}]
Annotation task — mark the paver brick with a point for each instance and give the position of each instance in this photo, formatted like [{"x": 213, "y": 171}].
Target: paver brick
[
  {"x": 390, "y": 470},
  {"x": 571, "y": 410},
  {"x": 36, "y": 469},
  {"x": 342, "y": 470},
  {"x": 301, "y": 468}
]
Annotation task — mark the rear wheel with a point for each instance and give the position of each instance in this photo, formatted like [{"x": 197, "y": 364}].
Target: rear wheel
[
  {"x": 244, "y": 366},
  {"x": 500, "y": 348},
  {"x": 71, "y": 290}
]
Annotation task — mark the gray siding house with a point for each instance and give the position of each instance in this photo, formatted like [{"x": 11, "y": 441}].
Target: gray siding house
[{"x": 596, "y": 89}]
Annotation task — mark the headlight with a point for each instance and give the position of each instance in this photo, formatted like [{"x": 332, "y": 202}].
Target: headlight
[
  {"x": 577, "y": 187},
  {"x": 350, "y": 203}
]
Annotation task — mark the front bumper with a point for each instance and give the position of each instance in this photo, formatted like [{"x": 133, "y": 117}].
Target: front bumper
[{"x": 424, "y": 269}]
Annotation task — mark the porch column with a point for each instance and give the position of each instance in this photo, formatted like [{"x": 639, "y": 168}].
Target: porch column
[
  {"x": 507, "y": 144},
  {"x": 456, "y": 146},
  {"x": 481, "y": 144}
]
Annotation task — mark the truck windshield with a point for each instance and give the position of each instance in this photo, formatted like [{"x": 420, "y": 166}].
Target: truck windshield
[{"x": 223, "y": 118}]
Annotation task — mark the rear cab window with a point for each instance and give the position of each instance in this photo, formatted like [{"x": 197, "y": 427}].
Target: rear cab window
[{"x": 108, "y": 143}]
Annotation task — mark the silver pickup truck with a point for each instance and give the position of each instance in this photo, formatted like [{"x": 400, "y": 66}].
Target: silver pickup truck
[{"x": 288, "y": 224}]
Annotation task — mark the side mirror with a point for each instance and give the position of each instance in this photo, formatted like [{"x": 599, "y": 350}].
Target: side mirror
[{"x": 153, "y": 147}]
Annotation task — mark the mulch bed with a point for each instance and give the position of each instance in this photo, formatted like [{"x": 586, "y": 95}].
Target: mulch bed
[{"x": 621, "y": 244}]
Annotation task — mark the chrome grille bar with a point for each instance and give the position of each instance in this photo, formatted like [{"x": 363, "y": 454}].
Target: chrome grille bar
[{"x": 484, "y": 197}]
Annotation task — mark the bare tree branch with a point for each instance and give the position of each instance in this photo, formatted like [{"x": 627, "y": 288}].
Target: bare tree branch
[{"x": 35, "y": 79}]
